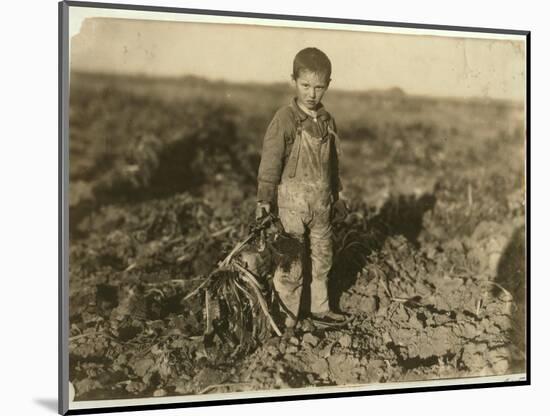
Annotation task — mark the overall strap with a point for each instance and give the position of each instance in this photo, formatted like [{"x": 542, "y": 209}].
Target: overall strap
[
  {"x": 336, "y": 140},
  {"x": 292, "y": 162}
]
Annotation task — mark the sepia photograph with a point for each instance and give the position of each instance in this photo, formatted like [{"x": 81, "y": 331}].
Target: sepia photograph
[{"x": 274, "y": 206}]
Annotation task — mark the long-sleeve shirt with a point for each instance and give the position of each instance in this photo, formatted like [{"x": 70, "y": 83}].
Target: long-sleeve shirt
[{"x": 277, "y": 145}]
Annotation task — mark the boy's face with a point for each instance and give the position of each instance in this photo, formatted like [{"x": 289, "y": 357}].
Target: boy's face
[{"x": 310, "y": 88}]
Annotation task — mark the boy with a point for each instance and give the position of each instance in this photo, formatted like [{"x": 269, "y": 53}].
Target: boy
[{"x": 298, "y": 174}]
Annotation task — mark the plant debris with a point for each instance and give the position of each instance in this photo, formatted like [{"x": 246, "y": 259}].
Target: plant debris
[{"x": 166, "y": 299}]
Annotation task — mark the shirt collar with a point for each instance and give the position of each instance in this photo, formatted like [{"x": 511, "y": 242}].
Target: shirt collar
[{"x": 302, "y": 115}]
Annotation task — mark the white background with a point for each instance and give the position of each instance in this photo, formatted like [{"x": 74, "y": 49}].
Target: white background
[{"x": 28, "y": 220}]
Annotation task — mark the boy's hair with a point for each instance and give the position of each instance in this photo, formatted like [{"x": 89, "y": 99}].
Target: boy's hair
[{"x": 311, "y": 59}]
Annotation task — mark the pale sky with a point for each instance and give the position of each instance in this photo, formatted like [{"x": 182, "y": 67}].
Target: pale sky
[{"x": 420, "y": 64}]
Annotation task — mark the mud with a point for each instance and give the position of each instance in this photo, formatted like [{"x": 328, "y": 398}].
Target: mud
[
  {"x": 430, "y": 261},
  {"x": 286, "y": 251}
]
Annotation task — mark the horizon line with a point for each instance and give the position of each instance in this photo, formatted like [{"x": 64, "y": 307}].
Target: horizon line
[{"x": 167, "y": 77}]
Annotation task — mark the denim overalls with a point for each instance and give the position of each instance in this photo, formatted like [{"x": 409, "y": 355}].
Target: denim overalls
[{"x": 304, "y": 200}]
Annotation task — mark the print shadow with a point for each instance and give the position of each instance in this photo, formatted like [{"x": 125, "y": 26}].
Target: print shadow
[{"x": 49, "y": 404}]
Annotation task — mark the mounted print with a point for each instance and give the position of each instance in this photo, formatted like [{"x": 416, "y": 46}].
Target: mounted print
[{"x": 263, "y": 207}]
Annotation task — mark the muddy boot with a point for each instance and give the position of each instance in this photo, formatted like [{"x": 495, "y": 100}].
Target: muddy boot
[
  {"x": 282, "y": 318},
  {"x": 329, "y": 317}
]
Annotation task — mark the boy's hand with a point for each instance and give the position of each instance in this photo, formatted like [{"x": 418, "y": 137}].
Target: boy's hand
[{"x": 262, "y": 209}]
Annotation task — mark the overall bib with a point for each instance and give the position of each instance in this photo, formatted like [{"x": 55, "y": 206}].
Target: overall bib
[{"x": 304, "y": 200}]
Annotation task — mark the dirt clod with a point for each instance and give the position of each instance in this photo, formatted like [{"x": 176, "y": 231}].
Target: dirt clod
[
  {"x": 310, "y": 340},
  {"x": 345, "y": 341},
  {"x": 162, "y": 189}
]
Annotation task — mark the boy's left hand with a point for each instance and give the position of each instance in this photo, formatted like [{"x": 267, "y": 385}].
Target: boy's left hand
[{"x": 262, "y": 209}]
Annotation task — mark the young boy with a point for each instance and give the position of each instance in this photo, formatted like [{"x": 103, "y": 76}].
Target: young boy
[{"x": 298, "y": 175}]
